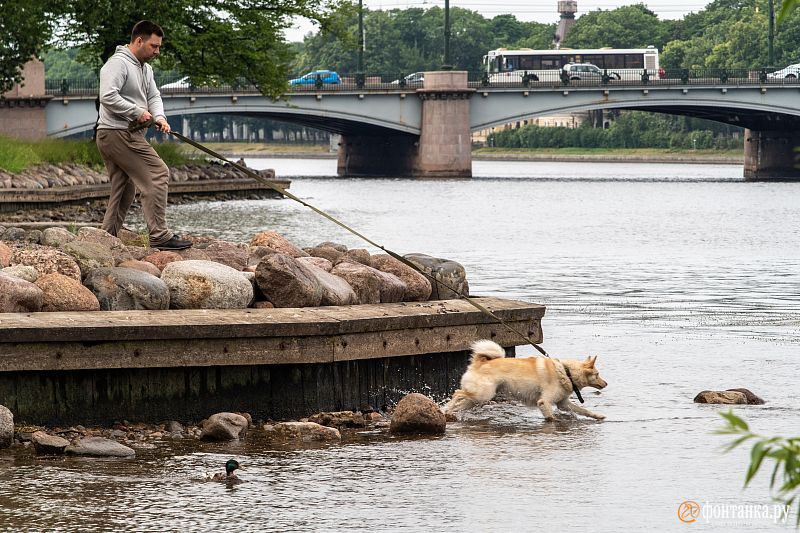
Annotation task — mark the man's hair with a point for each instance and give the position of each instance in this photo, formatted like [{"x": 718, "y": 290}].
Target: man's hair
[{"x": 144, "y": 29}]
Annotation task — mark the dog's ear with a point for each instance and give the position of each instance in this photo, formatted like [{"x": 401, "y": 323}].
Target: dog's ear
[{"x": 590, "y": 361}]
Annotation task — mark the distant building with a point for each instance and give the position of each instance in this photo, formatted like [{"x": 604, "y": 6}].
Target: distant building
[{"x": 22, "y": 109}]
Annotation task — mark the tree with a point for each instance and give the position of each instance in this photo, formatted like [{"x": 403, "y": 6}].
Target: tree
[
  {"x": 208, "y": 40},
  {"x": 787, "y": 7},
  {"x": 25, "y": 27},
  {"x": 632, "y": 26},
  {"x": 784, "y": 452}
]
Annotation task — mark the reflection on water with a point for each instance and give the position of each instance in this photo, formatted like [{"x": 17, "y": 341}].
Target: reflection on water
[{"x": 679, "y": 277}]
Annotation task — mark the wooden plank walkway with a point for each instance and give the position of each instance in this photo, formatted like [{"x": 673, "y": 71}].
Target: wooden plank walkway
[
  {"x": 15, "y": 199},
  {"x": 97, "y": 367}
]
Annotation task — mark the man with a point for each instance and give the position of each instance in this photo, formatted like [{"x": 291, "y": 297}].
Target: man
[{"x": 128, "y": 92}]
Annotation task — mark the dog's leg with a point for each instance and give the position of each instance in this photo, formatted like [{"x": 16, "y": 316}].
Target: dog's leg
[
  {"x": 461, "y": 401},
  {"x": 580, "y": 410},
  {"x": 546, "y": 408}
]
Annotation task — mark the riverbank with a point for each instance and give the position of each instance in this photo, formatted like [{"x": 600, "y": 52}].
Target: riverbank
[{"x": 642, "y": 155}]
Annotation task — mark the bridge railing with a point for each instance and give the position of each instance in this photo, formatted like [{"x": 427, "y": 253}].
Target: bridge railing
[
  {"x": 477, "y": 80},
  {"x": 662, "y": 77}
]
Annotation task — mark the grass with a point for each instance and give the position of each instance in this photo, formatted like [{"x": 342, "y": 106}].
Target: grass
[
  {"x": 609, "y": 151},
  {"x": 17, "y": 155}
]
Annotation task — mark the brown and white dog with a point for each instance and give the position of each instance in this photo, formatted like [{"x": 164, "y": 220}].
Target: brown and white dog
[{"x": 539, "y": 381}]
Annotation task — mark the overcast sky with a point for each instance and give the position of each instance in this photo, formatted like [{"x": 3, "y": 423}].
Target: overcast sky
[{"x": 531, "y": 10}]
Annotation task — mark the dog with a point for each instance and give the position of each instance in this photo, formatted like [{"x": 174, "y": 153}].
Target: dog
[{"x": 536, "y": 381}]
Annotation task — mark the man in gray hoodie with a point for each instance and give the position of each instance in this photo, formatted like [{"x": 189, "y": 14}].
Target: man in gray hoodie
[{"x": 128, "y": 93}]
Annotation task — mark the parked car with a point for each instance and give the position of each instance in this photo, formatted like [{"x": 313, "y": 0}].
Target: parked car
[
  {"x": 586, "y": 72},
  {"x": 417, "y": 78},
  {"x": 325, "y": 76},
  {"x": 790, "y": 72}
]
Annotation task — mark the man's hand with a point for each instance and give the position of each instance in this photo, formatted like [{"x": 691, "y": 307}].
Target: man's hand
[
  {"x": 163, "y": 126},
  {"x": 144, "y": 117}
]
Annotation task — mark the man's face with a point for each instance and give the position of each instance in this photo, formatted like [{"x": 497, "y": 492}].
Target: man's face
[{"x": 146, "y": 49}]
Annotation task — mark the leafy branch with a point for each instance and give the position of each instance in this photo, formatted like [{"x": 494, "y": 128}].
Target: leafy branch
[{"x": 785, "y": 452}]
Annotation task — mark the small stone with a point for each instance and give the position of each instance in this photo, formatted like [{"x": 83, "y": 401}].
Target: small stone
[
  {"x": 752, "y": 399},
  {"x": 721, "y": 397},
  {"x": 6, "y": 427},
  {"x": 48, "y": 444},
  {"x": 224, "y": 426},
  {"x": 417, "y": 414},
  {"x": 99, "y": 447}
]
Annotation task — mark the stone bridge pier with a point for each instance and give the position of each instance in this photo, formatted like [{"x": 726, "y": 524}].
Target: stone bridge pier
[
  {"x": 772, "y": 155},
  {"x": 443, "y": 149}
]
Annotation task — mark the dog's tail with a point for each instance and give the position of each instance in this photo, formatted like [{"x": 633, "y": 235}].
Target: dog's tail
[{"x": 486, "y": 350}]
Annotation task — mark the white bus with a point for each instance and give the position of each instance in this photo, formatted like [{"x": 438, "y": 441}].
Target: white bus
[{"x": 509, "y": 66}]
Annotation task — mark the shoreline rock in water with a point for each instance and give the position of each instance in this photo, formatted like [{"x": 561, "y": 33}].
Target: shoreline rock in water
[{"x": 55, "y": 270}]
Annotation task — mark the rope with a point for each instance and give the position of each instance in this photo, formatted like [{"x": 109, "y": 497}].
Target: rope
[{"x": 136, "y": 126}]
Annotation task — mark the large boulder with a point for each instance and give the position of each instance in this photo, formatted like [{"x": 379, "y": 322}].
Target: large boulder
[
  {"x": 5, "y": 255},
  {"x": 224, "y": 426},
  {"x": 48, "y": 260},
  {"x": 326, "y": 252},
  {"x": 144, "y": 266},
  {"x": 335, "y": 290},
  {"x": 45, "y": 444},
  {"x": 63, "y": 293},
  {"x": 358, "y": 255},
  {"x": 277, "y": 242},
  {"x": 319, "y": 262},
  {"x": 118, "y": 249},
  {"x": 206, "y": 285},
  {"x": 287, "y": 282},
  {"x": 19, "y": 296},
  {"x": 227, "y": 253},
  {"x": 418, "y": 288},
  {"x": 6, "y": 427},
  {"x": 371, "y": 285},
  {"x": 451, "y": 275},
  {"x": 28, "y": 273},
  {"x": 721, "y": 397},
  {"x": 99, "y": 447},
  {"x": 89, "y": 255},
  {"x": 125, "y": 289},
  {"x": 417, "y": 414},
  {"x": 57, "y": 237},
  {"x": 162, "y": 258}
]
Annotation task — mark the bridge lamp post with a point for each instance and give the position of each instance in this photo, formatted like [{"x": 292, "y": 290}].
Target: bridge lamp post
[
  {"x": 447, "y": 65},
  {"x": 771, "y": 34},
  {"x": 360, "y": 69}
]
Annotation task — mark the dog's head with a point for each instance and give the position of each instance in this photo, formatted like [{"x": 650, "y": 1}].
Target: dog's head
[{"x": 591, "y": 377}]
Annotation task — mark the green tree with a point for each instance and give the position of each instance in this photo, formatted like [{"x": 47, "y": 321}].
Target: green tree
[
  {"x": 632, "y": 26},
  {"x": 25, "y": 27},
  {"x": 208, "y": 40},
  {"x": 783, "y": 452}
]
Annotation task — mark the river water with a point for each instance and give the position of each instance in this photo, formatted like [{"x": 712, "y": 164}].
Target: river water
[{"x": 679, "y": 277}]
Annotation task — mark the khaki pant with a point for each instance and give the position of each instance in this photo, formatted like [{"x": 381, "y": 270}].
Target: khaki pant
[{"x": 133, "y": 164}]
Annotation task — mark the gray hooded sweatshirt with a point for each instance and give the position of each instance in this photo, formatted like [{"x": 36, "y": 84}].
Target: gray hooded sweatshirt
[{"x": 127, "y": 89}]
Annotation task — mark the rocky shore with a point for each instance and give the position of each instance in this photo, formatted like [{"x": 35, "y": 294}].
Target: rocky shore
[
  {"x": 48, "y": 176},
  {"x": 415, "y": 414}
]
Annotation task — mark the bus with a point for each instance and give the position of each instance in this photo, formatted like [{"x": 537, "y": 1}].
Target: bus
[{"x": 509, "y": 66}]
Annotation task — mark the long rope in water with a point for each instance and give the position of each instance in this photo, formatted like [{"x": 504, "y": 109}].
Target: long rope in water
[{"x": 136, "y": 126}]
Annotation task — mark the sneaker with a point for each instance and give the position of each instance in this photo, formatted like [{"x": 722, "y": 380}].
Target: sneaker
[{"x": 174, "y": 243}]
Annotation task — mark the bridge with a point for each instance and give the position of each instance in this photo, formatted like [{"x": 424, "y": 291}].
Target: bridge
[{"x": 424, "y": 130}]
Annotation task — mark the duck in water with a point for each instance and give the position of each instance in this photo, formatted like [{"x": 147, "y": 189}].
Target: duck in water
[{"x": 228, "y": 476}]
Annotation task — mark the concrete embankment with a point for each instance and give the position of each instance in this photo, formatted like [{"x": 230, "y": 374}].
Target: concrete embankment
[{"x": 613, "y": 158}]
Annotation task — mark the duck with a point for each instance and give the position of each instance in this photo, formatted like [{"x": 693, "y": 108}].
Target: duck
[{"x": 228, "y": 476}]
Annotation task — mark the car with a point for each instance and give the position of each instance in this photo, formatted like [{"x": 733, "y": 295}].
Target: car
[
  {"x": 586, "y": 72},
  {"x": 324, "y": 76},
  {"x": 417, "y": 78},
  {"x": 790, "y": 72}
]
